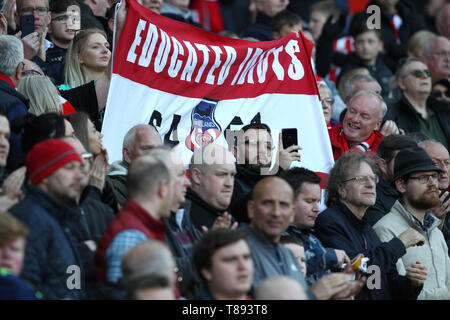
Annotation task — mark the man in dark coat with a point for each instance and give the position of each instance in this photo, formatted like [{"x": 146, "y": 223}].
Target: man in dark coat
[
  {"x": 416, "y": 111},
  {"x": 386, "y": 194},
  {"x": 49, "y": 211},
  {"x": 350, "y": 191}
]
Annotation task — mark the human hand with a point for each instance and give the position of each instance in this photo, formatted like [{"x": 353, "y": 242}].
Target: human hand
[
  {"x": 332, "y": 29},
  {"x": 417, "y": 273},
  {"x": 441, "y": 210},
  {"x": 333, "y": 285},
  {"x": 41, "y": 52},
  {"x": 389, "y": 127},
  {"x": 3, "y": 24},
  {"x": 8, "y": 11},
  {"x": 99, "y": 170},
  {"x": 13, "y": 183},
  {"x": 286, "y": 156},
  {"x": 223, "y": 221},
  {"x": 342, "y": 258},
  {"x": 412, "y": 237},
  {"x": 31, "y": 44}
]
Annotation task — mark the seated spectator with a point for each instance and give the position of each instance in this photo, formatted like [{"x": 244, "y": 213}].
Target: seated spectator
[
  {"x": 268, "y": 222},
  {"x": 12, "y": 102},
  {"x": 43, "y": 96},
  {"x": 222, "y": 259},
  {"x": 211, "y": 171},
  {"x": 415, "y": 112},
  {"x": 413, "y": 169},
  {"x": 360, "y": 82},
  {"x": 350, "y": 191},
  {"x": 386, "y": 193},
  {"x": 345, "y": 78},
  {"x": 319, "y": 13},
  {"x": 443, "y": 21},
  {"x": 441, "y": 158},
  {"x": 154, "y": 5},
  {"x": 285, "y": 22},
  {"x": 178, "y": 10},
  {"x": 359, "y": 129},
  {"x": 296, "y": 246},
  {"x": 150, "y": 197},
  {"x": 13, "y": 235},
  {"x": 307, "y": 195},
  {"x": 262, "y": 28},
  {"x": 149, "y": 272},
  {"x": 64, "y": 23},
  {"x": 437, "y": 57},
  {"x": 49, "y": 211},
  {"x": 138, "y": 139},
  {"x": 327, "y": 100},
  {"x": 253, "y": 161},
  {"x": 416, "y": 44},
  {"x": 87, "y": 57},
  {"x": 441, "y": 90},
  {"x": 398, "y": 22},
  {"x": 280, "y": 288}
]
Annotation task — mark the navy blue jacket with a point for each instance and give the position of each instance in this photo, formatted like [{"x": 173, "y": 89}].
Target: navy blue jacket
[
  {"x": 338, "y": 227},
  {"x": 261, "y": 29},
  {"x": 50, "y": 248}
]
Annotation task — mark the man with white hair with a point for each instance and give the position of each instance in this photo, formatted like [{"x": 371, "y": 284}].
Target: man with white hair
[
  {"x": 138, "y": 139},
  {"x": 437, "y": 55},
  {"x": 12, "y": 103},
  {"x": 359, "y": 129}
]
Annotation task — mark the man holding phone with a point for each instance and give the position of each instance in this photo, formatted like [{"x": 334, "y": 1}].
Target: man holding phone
[{"x": 33, "y": 43}]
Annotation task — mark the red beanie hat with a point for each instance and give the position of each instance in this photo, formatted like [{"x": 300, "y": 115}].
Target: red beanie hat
[{"x": 48, "y": 156}]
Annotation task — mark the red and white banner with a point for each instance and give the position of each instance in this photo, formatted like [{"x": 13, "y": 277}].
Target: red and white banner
[{"x": 193, "y": 85}]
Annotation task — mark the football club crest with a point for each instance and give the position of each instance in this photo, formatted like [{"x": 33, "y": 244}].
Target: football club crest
[{"x": 204, "y": 128}]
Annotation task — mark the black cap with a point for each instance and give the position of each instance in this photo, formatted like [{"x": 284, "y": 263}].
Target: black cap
[{"x": 412, "y": 159}]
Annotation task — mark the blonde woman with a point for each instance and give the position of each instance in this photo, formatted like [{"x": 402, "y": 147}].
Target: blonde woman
[
  {"x": 86, "y": 59},
  {"x": 43, "y": 96}
]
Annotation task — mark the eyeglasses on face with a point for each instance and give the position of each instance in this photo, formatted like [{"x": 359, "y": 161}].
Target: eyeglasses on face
[
  {"x": 442, "y": 53},
  {"x": 420, "y": 73},
  {"x": 31, "y": 73},
  {"x": 65, "y": 18},
  {"x": 364, "y": 179},
  {"x": 41, "y": 11},
  {"x": 445, "y": 163},
  {"x": 328, "y": 101},
  {"x": 426, "y": 177},
  {"x": 440, "y": 94}
]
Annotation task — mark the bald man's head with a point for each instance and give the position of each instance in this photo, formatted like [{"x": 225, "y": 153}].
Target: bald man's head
[
  {"x": 271, "y": 208},
  {"x": 212, "y": 170},
  {"x": 280, "y": 288}
]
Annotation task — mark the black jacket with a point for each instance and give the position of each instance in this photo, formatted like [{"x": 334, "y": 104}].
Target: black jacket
[
  {"x": 386, "y": 197},
  {"x": 406, "y": 118},
  {"x": 202, "y": 214},
  {"x": 244, "y": 182},
  {"x": 53, "y": 66},
  {"x": 261, "y": 29},
  {"x": 337, "y": 227},
  {"x": 51, "y": 247}
]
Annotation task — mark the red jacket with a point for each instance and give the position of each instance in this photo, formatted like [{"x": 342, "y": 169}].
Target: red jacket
[
  {"x": 132, "y": 216},
  {"x": 340, "y": 145}
]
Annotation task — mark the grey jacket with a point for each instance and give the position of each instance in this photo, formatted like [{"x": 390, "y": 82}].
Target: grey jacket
[{"x": 434, "y": 254}]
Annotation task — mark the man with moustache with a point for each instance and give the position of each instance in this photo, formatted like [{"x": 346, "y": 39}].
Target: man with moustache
[{"x": 416, "y": 178}]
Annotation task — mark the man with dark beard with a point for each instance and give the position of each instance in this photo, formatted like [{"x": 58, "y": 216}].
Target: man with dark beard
[{"x": 416, "y": 178}]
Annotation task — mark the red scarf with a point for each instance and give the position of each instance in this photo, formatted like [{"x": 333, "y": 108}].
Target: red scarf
[
  {"x": 7, "y": 79},
  {"x": 363, "y": 146}
]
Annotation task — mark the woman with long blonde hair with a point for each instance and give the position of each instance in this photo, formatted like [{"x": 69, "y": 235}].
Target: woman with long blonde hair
[
  {"x": 42, "y": 93},
  {"x": 87, "y": 58}
]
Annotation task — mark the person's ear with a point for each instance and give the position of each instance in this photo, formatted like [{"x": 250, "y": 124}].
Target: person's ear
[
  {"x": 18, "y": 74},
  {"x": 251, "y": 209},
  {"x": 126, "y": 155},
  {"x": 400, "y": 185},
  {"x": 378, "y": 124},
  {"x": 401, "y": 84},
  {"x": 206, "y": 274},
  {"x": 195, "y": 175},
  {"x": 342, "y": 192}
]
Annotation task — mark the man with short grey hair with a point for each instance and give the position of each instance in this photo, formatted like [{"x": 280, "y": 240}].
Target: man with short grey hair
[
  {"x": 138, "y": 139},
  {"x": 443, "y": 21},
  {"x": 437, "y": 55},
  {"x": 12, "y": 103},
  {"x": 415, "y": 112},
  {"x": 359, "y": 129}
]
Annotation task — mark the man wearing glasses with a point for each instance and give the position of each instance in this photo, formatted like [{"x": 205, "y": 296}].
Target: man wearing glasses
[
  {"x": 34, "y": 43},
  {"x": 416, "y": 179},
  {"x": 350, "y": 191},
  {"x": 437, "y": 55},
  {"x": 414, "y": 112}
]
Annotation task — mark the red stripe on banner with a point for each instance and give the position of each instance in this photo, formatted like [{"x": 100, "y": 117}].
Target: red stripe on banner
[
  {"x": 323, "y": 179},
  {"x": 174, "y": 57}
]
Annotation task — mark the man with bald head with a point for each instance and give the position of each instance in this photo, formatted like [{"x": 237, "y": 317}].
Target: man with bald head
[
  {"x": 271, "y": 210},
  {"x": 212, "y": 170},
  {"x": 138, "y": 139}
]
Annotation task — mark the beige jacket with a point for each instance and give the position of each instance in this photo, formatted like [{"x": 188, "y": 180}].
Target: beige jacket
[{"x": 434, "y": 254}]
